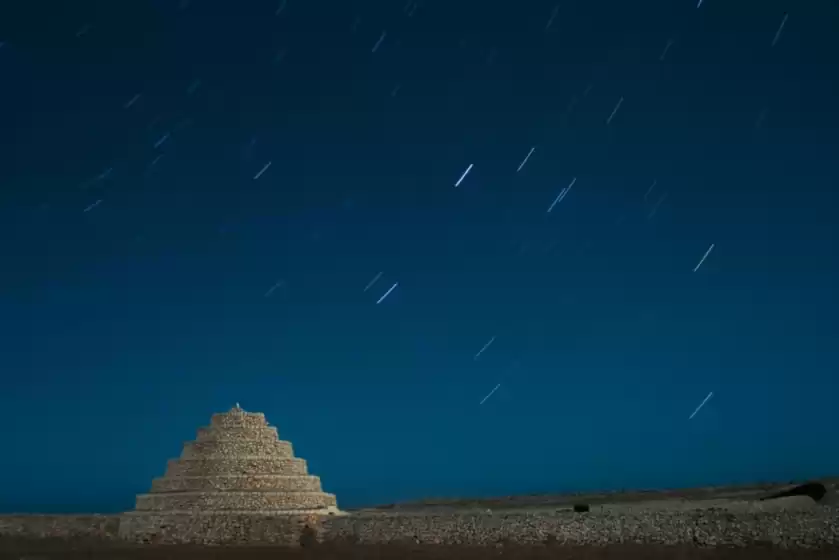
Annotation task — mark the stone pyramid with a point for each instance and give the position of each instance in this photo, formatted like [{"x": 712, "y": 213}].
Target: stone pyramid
[
  {"x": 236, "y": 483},
  {"x": 237, "y": 465}
]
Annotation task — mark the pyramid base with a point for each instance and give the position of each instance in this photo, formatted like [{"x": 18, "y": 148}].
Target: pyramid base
[{"x": 222, "y": 527}]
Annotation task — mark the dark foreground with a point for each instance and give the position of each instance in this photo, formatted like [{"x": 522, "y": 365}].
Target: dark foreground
[{"x": 25, "y": 549}]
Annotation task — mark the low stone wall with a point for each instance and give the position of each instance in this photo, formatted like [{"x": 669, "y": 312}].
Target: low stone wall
[
  {"x": 216, "y": 529},
  {"x": 814, "y": 527},
  {"x": 105, "y": 527}
]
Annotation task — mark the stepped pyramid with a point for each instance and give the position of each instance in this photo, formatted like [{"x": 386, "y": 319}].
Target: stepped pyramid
[{"x": 235, "y": 468}]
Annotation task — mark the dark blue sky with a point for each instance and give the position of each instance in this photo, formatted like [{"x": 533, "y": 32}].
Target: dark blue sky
[{"x": 138, "y": 250}]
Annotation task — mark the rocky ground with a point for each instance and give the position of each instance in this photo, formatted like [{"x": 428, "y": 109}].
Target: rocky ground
[{"x": 21, "y": 549}]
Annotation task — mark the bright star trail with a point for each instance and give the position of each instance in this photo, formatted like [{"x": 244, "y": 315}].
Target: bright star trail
[
  {"x": 387, "y": 293},
  {"x": 262, "y": 171},
  {"x": 561, "y": 195},
  {"x": 698, "y": 408},
  {"x": 705, "y": 256},
  {"x": 92, "y": 206},
  {"x": 481, "y": 351},
  {"x": 527, "y": 157},
  {"x": 490, "y": 394},
  {"x": 462, "y": 177},
  {"x": 614, "y": 111}
]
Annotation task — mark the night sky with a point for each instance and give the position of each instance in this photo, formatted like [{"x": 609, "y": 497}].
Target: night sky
[{"x": 206, "y": 202}]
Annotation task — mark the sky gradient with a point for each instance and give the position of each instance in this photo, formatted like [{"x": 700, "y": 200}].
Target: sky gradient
[{"x": 195, "y": 197}]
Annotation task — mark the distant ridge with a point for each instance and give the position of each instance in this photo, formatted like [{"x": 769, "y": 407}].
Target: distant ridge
[{"x": 755, "y": 491}]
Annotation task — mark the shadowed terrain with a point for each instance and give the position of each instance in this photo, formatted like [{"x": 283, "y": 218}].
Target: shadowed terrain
[
  {"x": 814, "y": 490},
  {"x": 67, "y": 550},
  {"x": 760, "y": 491}
]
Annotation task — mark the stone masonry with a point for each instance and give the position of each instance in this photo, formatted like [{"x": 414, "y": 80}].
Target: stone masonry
[
  {"x": 816, "y": 527},
  {"x": 235, "y": 476}
]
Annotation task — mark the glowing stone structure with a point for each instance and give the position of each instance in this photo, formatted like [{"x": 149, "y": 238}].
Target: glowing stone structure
[{"x": 236, "y": 482}]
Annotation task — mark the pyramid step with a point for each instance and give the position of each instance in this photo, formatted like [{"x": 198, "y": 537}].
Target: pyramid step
[
  {"x": 220, "y": 501},
  {"x": 221, "y": 483},
  {"x": 239, "y": 419},
  {"x": 212, "y": 433},
  {"x": 250, "y": 465},
  {"x": 237, "y": 448}
]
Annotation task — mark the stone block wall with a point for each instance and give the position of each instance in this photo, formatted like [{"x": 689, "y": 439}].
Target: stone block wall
[
  {"x": 217, "y": 529},
  {"x": 814, "y": 527},
  {"x": 104, "y": 527}
]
